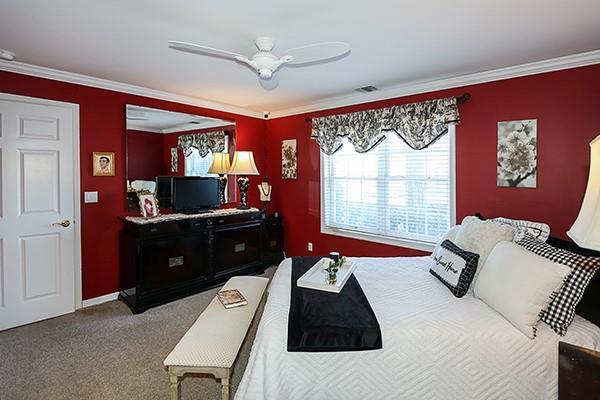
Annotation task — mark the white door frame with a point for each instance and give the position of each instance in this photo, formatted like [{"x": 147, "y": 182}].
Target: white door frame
[{"x": 76, "y": 182}]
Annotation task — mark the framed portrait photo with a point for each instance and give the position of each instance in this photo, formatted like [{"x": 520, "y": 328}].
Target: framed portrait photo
[
  {"x": 103, "y": 163},
  {"x": 148, "y": 205}
]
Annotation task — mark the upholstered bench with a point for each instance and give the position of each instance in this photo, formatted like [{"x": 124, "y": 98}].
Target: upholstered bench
[{"x": 211, "y": 345}]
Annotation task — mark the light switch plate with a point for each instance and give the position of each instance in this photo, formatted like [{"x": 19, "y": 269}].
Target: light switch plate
[{"x": 90, "y": 197}]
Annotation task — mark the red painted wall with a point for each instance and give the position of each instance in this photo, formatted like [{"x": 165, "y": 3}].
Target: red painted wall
[
  {"x": 145, "y": 155},
  {"x": 565, "y": 104},
  {"x": 102, "y": 128}
]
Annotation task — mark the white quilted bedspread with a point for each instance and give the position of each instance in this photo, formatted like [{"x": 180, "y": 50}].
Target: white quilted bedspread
[{"x": 435, "y": 346}]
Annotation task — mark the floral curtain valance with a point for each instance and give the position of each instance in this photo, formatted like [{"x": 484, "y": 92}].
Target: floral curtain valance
[
  {"x": 418, "y": 124},
  {"x": 204, "y": 142}
]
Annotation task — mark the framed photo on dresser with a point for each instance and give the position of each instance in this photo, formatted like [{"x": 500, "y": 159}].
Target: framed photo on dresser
[{"x": 148, "y": 205}]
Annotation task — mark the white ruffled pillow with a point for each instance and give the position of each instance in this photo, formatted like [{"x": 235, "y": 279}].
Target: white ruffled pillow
[{"x": 480, "y": 237}]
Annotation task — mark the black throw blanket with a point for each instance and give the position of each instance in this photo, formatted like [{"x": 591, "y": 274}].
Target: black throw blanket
[{"x": 323, "y": 321}]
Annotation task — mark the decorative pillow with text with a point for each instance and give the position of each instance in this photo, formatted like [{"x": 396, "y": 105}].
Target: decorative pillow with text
[{"x": 454, "y": 267}]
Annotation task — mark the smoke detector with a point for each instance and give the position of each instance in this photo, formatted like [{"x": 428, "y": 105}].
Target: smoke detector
[
  {"x": 367, "y": 89},
  {"x": 7, "y": 55}
]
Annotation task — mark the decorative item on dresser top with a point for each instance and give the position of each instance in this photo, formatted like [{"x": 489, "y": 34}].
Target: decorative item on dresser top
[
  {"x": 243, "y": 165},
  {"x": 175, "y": 255},
  {"x": 264, "y": 189},
  {"x": 221, "y": 166}
]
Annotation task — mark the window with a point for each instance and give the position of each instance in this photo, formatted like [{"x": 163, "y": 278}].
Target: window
[
  {"x": 195, "y": 165},
  {"x": 391, "y": 194}
]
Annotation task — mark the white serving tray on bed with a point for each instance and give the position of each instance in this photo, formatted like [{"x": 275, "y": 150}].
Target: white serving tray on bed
[{"x": 316, "y": 277}]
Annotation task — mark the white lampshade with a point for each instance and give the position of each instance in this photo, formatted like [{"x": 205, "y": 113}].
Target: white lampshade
[
  {"x": 586, "y": 229},
  {"x": 243, "y": 164},
  {"x": 220, "y": 164}
]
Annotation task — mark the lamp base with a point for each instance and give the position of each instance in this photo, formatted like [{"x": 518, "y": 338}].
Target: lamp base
[
  {"x": 223, "y": 186},
  {"x": 243, "y": 184}
]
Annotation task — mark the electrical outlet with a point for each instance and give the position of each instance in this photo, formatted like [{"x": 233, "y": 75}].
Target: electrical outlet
[{"x": 310, "y": 246}]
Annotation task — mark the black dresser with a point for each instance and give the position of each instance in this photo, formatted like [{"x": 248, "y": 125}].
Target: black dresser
[{"x": 166, "y": 260}]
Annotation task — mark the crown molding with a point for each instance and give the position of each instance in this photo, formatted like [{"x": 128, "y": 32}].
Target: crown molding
[
  {"x": 412, "y": 88},
  {"x": 407, "y": 89},
  {"x": 86, "y": 80}
]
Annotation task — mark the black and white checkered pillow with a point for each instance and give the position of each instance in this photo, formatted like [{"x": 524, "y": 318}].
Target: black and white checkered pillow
[
  {"x": 561, "y": 310},
  {"x": 454, "y": 267},
  {"x": 538, "y": 230}
]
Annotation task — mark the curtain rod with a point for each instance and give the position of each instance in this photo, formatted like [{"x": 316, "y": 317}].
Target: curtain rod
[{"x": 463, "y": 98}]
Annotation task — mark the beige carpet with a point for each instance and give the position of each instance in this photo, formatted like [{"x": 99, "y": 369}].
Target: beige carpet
[{"x": 105, "y": 352}]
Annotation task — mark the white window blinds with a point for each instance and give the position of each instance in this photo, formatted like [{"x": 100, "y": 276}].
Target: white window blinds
[
  {"x": 196, "y": 165},
  {"x": 391, "y": 192}
]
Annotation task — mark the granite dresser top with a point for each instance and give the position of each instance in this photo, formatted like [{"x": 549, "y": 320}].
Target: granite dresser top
[{"x": 221, "y": 212}]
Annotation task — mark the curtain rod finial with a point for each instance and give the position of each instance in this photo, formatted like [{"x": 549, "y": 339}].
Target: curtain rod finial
[{"x": 463, "y": 98}]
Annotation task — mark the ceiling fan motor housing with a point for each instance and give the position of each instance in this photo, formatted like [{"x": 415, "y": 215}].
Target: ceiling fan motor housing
[{"x": 266, "y": 64}]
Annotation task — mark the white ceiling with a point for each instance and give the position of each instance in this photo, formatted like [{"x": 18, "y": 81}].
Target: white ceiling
[
  {"x": 162, "y": 121},
  {"x": 393, "y": 42}
]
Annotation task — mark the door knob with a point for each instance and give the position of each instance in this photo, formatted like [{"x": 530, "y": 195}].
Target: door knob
[{"x": 65, "y": 223}]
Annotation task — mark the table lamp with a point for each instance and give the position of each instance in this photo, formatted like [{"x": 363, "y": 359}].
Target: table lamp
[
  {"x": 243, "y": 165},
  {"x": 220, "y": 165},
  {"x": 586, "y": 228}
]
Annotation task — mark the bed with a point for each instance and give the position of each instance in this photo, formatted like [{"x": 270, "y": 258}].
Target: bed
[{"x": 435, "y": 346}]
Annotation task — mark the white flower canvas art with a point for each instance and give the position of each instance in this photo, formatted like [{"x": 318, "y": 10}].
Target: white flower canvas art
[
  {"x": 517, "y": 153},
  {"x": 289, "y": 159}
]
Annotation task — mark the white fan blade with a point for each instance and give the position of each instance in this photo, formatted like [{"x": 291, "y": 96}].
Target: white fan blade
[
  {"x": 317, "y": 52},
  {"x": 198, "y": 49},
  {"x": 271, "y": 83}
]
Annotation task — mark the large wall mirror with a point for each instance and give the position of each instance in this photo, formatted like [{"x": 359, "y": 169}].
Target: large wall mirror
[{"x": 167, "y": 143}]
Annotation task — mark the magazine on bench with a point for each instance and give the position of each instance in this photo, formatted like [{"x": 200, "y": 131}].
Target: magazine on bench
[{"x": 231, "y": 298}]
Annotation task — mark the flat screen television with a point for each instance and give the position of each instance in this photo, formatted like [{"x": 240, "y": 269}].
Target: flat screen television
[{"x": 193, "y": 194}]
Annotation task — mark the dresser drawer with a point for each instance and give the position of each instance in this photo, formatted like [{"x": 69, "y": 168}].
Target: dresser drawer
[
  {"x": 161, "y": 228},
  {"x": 235, "y": 219}
]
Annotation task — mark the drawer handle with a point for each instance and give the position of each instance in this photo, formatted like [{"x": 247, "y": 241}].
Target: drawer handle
[
  {"x": 175, "y": 261},
  {"x": 221, "y": 221},
  {"x": 197, "y": 223},
  {"x": 153, "y": 229},
  {"x": 239, "y": 247}
]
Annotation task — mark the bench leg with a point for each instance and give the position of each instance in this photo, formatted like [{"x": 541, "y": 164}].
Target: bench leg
[
  {"x": 225, "y": 388},
  {"x": 174, "y": 385}
]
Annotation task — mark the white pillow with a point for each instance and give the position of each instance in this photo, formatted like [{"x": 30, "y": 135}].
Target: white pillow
[
  {"x": 518, "y": 284},
  {"x": 449, "y": 235},
  {"x": 480, "y": 237}
]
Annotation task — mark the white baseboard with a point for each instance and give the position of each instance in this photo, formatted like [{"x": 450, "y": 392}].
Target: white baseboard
[{"x": 100, "y": 299}]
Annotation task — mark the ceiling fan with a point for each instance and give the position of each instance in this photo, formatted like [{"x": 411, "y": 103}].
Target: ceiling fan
[{"x": 264, "y": 62}]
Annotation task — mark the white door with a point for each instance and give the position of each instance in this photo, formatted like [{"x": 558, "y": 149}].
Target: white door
[{"x": 38, "y": 181}]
